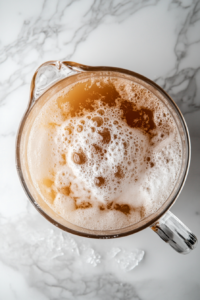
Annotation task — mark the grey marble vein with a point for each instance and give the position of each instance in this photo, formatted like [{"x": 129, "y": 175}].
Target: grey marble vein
[
  {"x": 50, "y": 260},
  {"x": 183, "y": 85}
]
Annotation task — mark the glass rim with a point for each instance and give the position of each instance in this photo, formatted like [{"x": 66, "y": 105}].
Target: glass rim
[{"x": 153, "y": 217}]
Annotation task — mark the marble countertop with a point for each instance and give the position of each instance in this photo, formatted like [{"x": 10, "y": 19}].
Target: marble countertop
[{"x": 158, "y": 39}]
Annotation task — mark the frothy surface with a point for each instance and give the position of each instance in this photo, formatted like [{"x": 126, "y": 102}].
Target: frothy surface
[{"x": 104, "y": 153}]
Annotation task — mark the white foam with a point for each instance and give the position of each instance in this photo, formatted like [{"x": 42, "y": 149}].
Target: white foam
[
  {"x": 108, "y": 166},
  {"x": 97, "y": 159}
]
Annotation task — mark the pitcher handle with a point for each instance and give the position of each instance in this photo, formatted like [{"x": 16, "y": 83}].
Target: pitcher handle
[{"x": 175, "y": 233}]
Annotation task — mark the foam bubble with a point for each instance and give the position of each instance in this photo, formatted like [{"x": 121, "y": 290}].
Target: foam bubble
[{"x": 102, "y": 155}]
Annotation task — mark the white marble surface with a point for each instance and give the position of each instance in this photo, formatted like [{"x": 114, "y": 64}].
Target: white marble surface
[{"x": 159, "y": 39}]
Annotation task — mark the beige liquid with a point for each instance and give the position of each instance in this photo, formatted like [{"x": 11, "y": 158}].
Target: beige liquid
[{"x": 104, "y": 153}]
